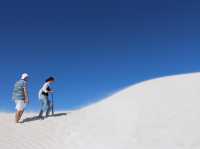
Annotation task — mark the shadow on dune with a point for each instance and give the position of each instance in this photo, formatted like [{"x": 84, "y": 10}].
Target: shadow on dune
[
  {"x": 35, "y": 118},
  {"x": 58, "y": 115}
]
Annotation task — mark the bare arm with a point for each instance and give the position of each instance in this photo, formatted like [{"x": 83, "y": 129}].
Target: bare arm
[{"x": 26, "y": 94}]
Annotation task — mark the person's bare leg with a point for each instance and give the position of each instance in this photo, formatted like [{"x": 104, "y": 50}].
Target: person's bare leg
[
  {"x": 18, "y": 115},
  {"x": 21, "y": 113}
]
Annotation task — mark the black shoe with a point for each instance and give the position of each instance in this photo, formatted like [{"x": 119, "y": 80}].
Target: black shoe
[
  {"x": 47, "y": 115},
  {"x": 41, "y": 113},
  {"x": 41, "y": 117}
]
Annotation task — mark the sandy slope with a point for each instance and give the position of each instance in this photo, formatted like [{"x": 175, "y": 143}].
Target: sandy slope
[{"x": 157, "y": 114}]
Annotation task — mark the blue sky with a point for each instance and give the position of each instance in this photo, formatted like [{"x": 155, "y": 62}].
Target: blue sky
[{"x": 94, "y": 48}]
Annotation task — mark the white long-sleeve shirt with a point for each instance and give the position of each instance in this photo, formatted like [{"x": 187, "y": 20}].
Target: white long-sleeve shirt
[{"x": 44, "y": 88}]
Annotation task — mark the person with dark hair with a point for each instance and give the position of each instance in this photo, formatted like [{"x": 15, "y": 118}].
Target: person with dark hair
[{"x": 44, "y": 97}]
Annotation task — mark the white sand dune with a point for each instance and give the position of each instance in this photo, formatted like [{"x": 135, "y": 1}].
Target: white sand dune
[{"x": 158, "y": 114}]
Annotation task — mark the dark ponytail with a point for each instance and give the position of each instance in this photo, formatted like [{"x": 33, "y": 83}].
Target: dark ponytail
[{"x": 50, "y": 79}]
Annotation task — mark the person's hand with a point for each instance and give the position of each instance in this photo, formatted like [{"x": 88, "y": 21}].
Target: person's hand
[
  {"x": 26, "y": 101},
  {"x": 51, "y": 91}
]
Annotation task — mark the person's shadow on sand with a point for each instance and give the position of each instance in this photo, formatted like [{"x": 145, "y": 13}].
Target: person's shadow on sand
[{"x": 35, "y": 118}]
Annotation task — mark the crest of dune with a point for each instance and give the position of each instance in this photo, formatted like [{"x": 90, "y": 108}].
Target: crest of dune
[{"x": 163, "y": 113}]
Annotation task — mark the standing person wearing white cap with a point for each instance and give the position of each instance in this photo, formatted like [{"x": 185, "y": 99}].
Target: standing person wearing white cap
[{"x": 20, "y": 96}]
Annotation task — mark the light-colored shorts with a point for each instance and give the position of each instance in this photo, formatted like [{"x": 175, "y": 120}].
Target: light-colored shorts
[{"x": 20, "y": 105}]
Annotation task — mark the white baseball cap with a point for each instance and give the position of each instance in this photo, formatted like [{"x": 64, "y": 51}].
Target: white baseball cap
[{"x": 24, "y": 76}]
